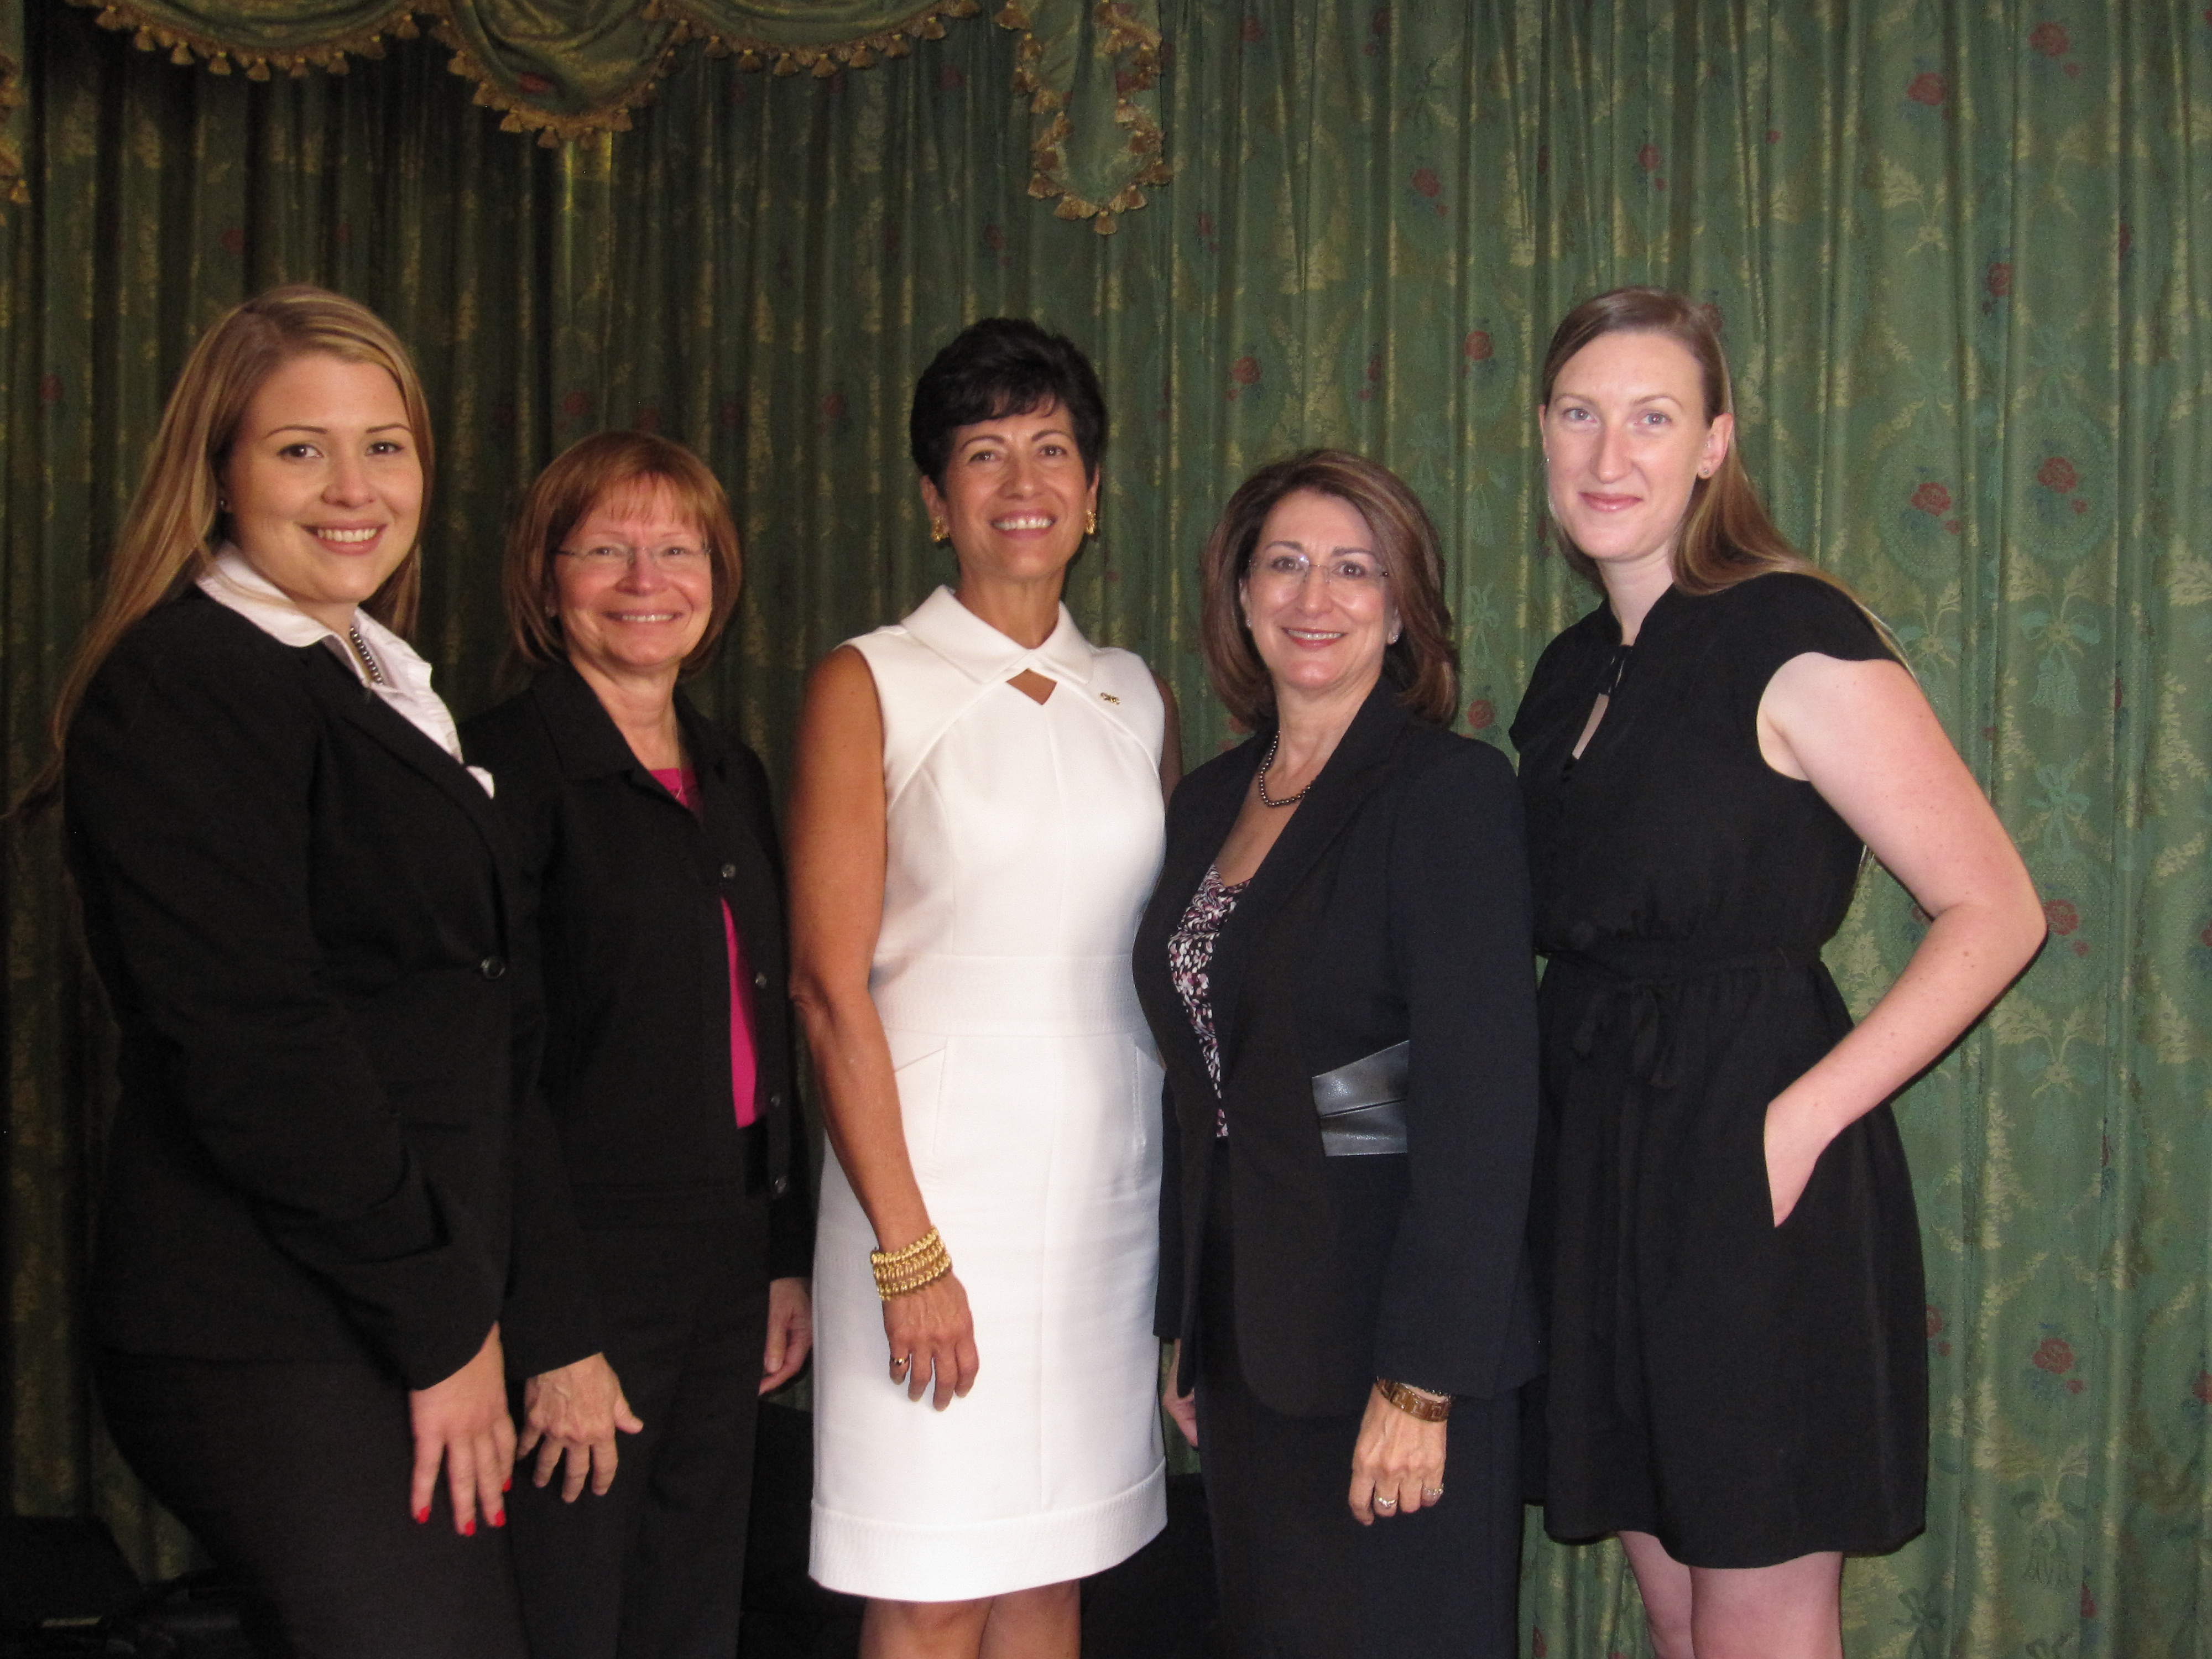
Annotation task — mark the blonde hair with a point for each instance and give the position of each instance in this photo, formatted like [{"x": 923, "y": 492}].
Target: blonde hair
[
  {"x": 176, "y": 518},
  {"x": 1727, "y": 536},
  {"x": 564, "y": 494}
]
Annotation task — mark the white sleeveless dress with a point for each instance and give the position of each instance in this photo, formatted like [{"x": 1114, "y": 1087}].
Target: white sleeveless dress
[{"x": 1024, "y": 841}]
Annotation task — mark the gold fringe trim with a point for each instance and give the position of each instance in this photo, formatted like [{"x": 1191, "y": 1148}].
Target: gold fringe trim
[
  {"x": 821, "y": 61},
  {"x": 518, "y": 114},
  {"x": 223, "y": 57},
  {"x": 1120, "y": 36}
]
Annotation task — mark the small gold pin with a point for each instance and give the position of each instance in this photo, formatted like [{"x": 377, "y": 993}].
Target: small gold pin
[{"x": 1109, "y": 697}]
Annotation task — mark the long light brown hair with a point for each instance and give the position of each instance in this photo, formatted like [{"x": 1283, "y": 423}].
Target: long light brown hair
[
  {"x": 564, "y": 495},
  {"x": 1423, "y": 663},
  {"x": 176, "y": 519},
  {"x": 1726, "y": 536}
]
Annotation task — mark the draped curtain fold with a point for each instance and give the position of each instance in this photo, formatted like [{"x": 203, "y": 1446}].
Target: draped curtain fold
[
  {"x": 1964, "y": 252},
  {"x": 563, "y": 69}
]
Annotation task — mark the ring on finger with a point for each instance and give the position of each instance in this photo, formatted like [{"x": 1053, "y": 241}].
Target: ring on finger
[
  {"x": 1386, "y": 1502},
  {"x": 1430, "y": 1494}
]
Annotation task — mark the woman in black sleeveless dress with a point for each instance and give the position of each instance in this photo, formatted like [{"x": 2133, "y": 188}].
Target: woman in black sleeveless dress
[{"x": 1738, "y": 1383}]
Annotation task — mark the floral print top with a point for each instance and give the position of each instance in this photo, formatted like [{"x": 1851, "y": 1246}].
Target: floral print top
[{"x": 1190, "y": 955}]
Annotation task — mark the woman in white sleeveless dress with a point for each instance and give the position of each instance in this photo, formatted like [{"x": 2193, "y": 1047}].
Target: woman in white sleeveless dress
[{"x": 975, "y": 828}]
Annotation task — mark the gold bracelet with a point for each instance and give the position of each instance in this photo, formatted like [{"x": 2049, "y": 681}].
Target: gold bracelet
[
  {"x": 911, "y": 1267},
  {"x": 1412, "y": 1401}
]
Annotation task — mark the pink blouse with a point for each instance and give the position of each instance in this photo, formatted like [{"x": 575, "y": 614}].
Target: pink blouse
[{"x": 743, "y": 1074}]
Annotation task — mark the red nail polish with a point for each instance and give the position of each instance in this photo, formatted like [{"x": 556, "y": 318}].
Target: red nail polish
[
  {"x": 507, "y": 1485},
  {"x": 422, "y": 1514},
  {"x": 499, "y": 1519},
  {"x": 467, "y": 1529}
]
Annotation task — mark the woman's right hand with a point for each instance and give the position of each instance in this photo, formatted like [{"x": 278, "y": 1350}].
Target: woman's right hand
[
  {"x": 1183, "y": 1407},
  {"x": 462, "y": 1423},
  {"x": 933, "y": 1337}
]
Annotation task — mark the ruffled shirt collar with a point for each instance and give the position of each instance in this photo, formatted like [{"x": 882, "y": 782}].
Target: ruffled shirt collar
[
  {"x": 984, "y": 655},
  {"x": 234, "y": 582}
]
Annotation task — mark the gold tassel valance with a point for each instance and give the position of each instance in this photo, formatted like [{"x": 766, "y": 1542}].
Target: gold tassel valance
[{"x": 1086, "y": 70}]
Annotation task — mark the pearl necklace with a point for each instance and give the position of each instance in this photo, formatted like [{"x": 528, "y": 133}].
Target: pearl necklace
[
  {"x": 1266, "y": 765},
  {"x": 367, "y": 657}
]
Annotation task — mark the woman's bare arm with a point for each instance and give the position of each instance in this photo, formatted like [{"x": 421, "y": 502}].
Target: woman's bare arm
[
  {"x": 1170, "y": 740},
  {"x": 837, "y": 848},
  {"x": 1863, "y": 734}
]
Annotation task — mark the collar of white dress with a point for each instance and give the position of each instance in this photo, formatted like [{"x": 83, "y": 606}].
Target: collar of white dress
[{"x": 983, "y": 654}]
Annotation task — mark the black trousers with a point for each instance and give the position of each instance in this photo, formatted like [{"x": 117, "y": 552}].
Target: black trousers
[
  {"x": 294, "y": 1476},
  {"x": 655, "y": 1568},
  {"x": 1299, "y": 1577}
]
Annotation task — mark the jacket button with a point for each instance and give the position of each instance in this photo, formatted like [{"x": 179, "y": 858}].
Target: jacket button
[
  {"x": 729, "y": 872},
  {"x": 493, "y": 966},
  {"x": 779, "y": 1187},
  {"x": 775, "y": 1101},
  {"x": 760, "y": 982}
]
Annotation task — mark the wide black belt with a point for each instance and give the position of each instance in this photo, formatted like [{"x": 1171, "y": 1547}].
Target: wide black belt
[{"x": 1362, "y": 1103}]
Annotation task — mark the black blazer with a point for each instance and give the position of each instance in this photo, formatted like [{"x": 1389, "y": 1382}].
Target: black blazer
[
  {"x": 630, "y": 885},
  {"x": 1395, "y": 906},
  {"x": 307, "y": 917}
]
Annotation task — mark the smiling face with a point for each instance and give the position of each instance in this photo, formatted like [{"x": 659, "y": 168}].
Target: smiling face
[
  {"x": 1625, "y": 439},
  {"x": 1015, "y": 495},
  {"x": 323, "y": 483},
  {"x": 634, "y": 584},
  {"x": 1316, "y": 597}
]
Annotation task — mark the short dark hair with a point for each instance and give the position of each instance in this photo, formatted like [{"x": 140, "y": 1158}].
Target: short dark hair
[
  {"x": 1003, "y": 366},
  {"x": 1423, "y": 662},
  {"x": 564, "y": 495}
]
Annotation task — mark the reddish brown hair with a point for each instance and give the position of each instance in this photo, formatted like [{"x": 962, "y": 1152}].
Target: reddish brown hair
[
  {"x": 579, "y": 478},
  {"x": 1424, "y": 661}
]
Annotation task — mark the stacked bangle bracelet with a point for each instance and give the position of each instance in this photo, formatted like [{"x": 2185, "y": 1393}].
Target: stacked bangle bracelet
[
  {"x": 1430, "y": 1409},
  {"x": 904, "y": 1271}
]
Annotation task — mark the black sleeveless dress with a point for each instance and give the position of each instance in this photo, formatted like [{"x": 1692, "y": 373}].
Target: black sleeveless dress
[{"x": 1747, "y": 1393}]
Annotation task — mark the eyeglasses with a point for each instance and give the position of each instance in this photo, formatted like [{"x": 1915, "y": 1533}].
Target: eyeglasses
[
  {"x": 1349, "y": 573},
  {"x": 672, "y": 559}
]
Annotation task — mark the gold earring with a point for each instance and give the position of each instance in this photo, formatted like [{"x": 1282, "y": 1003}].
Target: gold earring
[
  {"x": 1089, "y": 520},
  {"x": 937, "y": 532}
]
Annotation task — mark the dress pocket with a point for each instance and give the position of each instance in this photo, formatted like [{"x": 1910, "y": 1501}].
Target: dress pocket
[{"x": 918, "y": 1060}]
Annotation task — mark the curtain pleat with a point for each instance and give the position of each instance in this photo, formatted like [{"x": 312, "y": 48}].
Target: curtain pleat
[{"x": 1964, "y": 259}]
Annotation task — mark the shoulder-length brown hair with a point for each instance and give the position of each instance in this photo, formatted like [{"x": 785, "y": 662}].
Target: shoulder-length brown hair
[
  {"x": 1424, "y": 661},
  {"x": 176, "y": 521},
  {"x": 564, "y": 494},
  {"x": 1727, "y": 536}
]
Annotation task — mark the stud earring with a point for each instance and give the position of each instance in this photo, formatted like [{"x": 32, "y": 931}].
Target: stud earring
[
  {"x": 1396, "y": 630},
  {"x": 937, "y": 532},
  {"x": 1089, "y": 520}
]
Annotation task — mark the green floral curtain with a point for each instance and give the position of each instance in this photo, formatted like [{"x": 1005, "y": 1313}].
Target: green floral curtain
[
  {"x": 1964, "y": 252},
  {"x": 564, "y": 68}
]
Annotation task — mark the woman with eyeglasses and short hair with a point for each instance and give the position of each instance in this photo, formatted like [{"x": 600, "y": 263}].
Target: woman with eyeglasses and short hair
[
  {"x": 1335, "y": 965},
  {"x": 648, "y": 843}
]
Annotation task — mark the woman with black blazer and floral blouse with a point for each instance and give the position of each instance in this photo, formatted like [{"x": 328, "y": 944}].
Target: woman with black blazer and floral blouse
[
  {"x": 1336, "y": 967},
  {"x": 648, "y": 843}
]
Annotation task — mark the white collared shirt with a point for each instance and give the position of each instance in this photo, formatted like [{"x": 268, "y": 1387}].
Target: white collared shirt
[{"x": 407, "y": 684}]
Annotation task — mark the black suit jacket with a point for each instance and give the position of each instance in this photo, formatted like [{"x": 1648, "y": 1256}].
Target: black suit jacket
[
  {"x": 1395, "y": 906},
  {"x": 307, "y": 918},
  {"x": 629, "y": 886}
]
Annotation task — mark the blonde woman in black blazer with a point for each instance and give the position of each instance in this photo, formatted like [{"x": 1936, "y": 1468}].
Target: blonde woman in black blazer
[
  {"x": 1336, "y": 967},
  {"x": 330, "y": 1227}
]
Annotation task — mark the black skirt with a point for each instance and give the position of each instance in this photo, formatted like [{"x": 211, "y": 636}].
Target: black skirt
[{"x": 1299, "y": 1577}]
